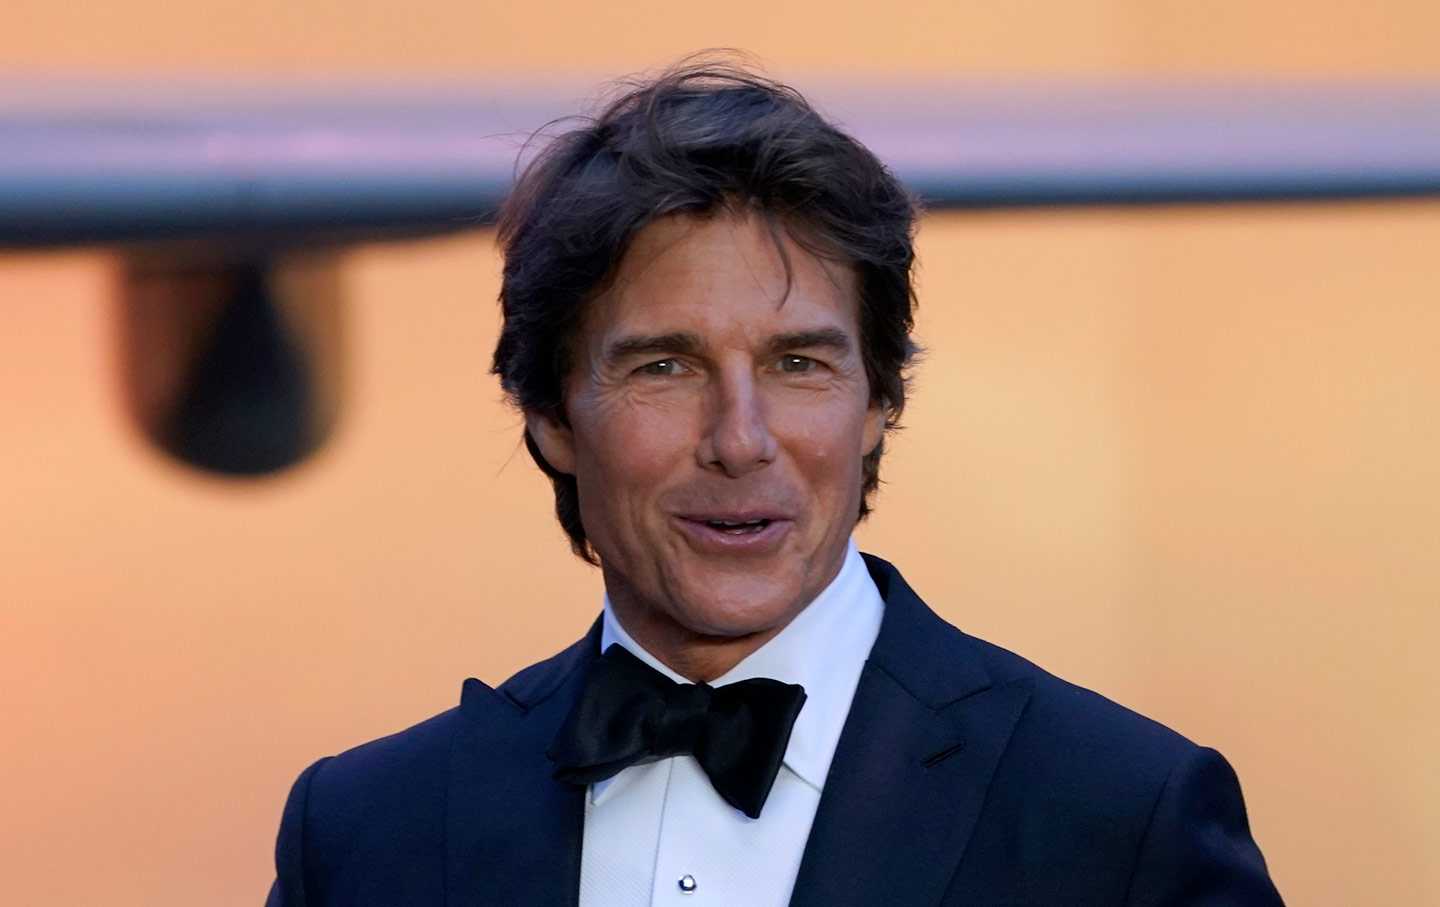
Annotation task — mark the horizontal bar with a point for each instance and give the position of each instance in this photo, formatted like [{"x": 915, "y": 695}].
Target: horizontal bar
[{"x": 272, "y": 164}]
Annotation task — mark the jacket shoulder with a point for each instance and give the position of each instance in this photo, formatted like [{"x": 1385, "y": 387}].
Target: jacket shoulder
[
  {"x": 378, "y": 794},
  {"x": 369, "y": 823},
  {"x": 372, "y": 767},
  {"x": 377, "y": 771},
  {"x": 394, "y": 788},
  {"x": 940, "y": 664},
  {"x": 1124, "y": 809},
  {"x": 1093, "y": 728},
  {"x": 1088, "y": 798}
]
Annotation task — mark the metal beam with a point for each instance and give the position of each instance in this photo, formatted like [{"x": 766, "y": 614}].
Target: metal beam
[{"x": 277, "y": 165}]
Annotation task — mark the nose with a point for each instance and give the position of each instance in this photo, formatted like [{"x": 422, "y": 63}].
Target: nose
[{"x": 737, "y": 439}]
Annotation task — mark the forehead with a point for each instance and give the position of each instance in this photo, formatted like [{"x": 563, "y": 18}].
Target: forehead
[{"x": 722, "y": 274}]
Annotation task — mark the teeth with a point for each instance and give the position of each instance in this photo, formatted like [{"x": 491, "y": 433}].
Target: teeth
[{"x": 738, "y": 524}]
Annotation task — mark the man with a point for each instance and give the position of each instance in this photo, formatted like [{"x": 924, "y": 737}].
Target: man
[{"x": 707, "y": 306}]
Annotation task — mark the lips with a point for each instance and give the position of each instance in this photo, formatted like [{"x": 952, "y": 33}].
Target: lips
[{"x": 733, "y": 532}]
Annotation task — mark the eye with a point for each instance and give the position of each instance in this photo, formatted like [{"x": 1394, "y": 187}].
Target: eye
[
  {"x": 663, "y": 367},
  {"x": 796, "y": 364}
]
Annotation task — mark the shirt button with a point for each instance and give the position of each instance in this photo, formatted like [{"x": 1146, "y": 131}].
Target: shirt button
[{"x": 687, "y": 884}]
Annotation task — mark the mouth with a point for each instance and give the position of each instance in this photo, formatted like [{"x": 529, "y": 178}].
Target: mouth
[
  {"x": 738, "y": 527},
  {"x": 733, "y": 533}
]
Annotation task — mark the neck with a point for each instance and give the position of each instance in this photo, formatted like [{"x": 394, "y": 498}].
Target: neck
[{"x": 697, "y": 658}]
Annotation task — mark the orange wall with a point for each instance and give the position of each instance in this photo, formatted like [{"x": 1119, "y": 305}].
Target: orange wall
[
  {"x": 1184, "y": 456},
  {"x": 1058, "y": 37}
]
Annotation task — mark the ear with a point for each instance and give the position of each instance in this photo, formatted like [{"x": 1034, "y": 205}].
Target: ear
[
  {"x": 872, "y": 432},
  {"x": 554, "y": 439}
]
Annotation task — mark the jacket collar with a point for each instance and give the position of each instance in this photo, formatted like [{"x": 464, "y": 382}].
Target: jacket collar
[
  {"x": 925, "y": 734},
  {"x": 513, "y": 832}
]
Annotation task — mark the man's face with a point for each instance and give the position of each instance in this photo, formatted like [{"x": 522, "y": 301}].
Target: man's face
[{"x": 717, "y": 426}]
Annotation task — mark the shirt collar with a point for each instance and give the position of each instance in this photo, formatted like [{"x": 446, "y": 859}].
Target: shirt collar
[{"x": 824, "y": 649}]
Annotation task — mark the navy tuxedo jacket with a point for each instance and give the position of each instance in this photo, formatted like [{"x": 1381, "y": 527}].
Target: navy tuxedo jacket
[{"x": 964, "y": 776}]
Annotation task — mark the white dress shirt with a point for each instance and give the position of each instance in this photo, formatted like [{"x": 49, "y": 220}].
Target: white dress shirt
[{"x": 654, "y": 825}]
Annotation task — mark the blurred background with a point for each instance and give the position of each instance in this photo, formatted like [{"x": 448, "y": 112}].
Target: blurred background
[{"x": 1182, "y": 454}]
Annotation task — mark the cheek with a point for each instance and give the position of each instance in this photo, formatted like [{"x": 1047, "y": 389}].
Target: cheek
[
  {"x": 624, "y": 452},
  {"x": 830, "y": 435}
]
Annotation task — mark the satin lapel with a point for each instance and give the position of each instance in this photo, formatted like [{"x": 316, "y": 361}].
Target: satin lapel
[
  {"x": 513, "y": 833},
  {"x": 926, "y": 731}
]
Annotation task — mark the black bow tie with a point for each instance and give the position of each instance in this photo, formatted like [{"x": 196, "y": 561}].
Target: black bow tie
[{"x": 629, "y": 712}]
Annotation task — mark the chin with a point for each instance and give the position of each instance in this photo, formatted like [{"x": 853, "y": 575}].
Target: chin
[{"x": 739, "y": 609}]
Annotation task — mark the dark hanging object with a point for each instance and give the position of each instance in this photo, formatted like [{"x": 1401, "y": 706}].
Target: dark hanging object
[
  {"x": 246, "y": 406},
  {"x": 231, "y": 363}
]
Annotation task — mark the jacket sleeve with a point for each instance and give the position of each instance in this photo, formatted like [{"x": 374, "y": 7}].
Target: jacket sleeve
[
  {"x": 289, "y": 889},
  {"x": 1197, "y": 850}
]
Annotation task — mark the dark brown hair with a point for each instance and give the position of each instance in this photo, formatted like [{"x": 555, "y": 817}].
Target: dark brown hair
[{"x": 700, "y": 138}]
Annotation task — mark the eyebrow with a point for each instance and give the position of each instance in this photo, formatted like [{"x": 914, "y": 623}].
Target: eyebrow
[
  {"x": 817, "y": 339},
  {"x": 646, "y": 345}
]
